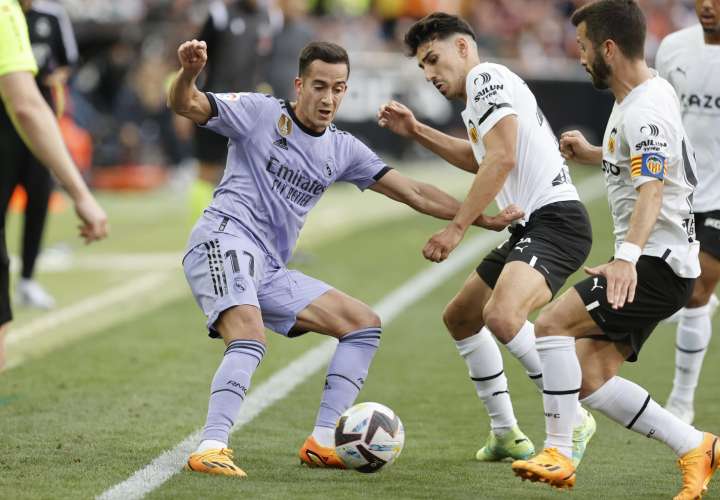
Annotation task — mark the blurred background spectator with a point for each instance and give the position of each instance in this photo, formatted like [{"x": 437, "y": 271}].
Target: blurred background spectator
[{"x": 127, "y": 55}]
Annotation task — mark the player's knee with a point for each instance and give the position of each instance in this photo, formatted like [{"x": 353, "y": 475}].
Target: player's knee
[
  {"x": 545, "y": 325},
  {"x": 450, "y": 317},
  {"x": 503, "y": 323},
  {"x": 241, "y": 323},
  {"x": 363, "y": 317},
  {"x": 458, "y": 323},
  {"x": 591, "y": 382},
  {"x": 701, "y": 293}
]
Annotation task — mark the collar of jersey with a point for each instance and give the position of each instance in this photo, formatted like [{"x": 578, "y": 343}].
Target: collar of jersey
[
  {"x": 308, "y": 131},
  {"x": 640, "y": 89}
]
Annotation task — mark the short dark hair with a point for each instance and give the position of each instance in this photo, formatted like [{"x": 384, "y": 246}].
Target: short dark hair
[
  {"x": 436, "y": 26},
  {"x": 324, "y": 51},
  {"x": 621, "y": 21}
]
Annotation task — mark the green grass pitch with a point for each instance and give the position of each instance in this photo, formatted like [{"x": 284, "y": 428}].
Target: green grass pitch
[{"x": 84, "y": 415}]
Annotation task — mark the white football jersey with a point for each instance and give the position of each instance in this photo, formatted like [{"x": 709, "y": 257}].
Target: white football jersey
[
  {"x": 693, "y": 68},
  {"x": 645, "y": 141},
  {"x": 540, "y": 176}
]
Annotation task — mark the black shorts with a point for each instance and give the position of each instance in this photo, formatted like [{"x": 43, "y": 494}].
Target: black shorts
[
  {"x": 707, "y": 229},
  {"x": 210, "y": 147},
  {"x": 658, "y": 295},
  {"x": 556, "y": 241}
]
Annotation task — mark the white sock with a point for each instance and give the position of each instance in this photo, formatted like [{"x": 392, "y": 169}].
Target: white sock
[
  {"x": 522, "y": 346},
  {"x": 693, "y": 336},
  {"x": 630, "y": 405},
  {"x": 210, "y": 444},
  {"x": 485, "y": 366},
  {"x": 561, "y": 385},
  {"x": 579, "y": 415},
  {"x": 325, "y": 436}
]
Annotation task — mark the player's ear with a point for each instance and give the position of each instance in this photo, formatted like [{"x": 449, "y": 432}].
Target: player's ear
[
  {"x": 298, "y": 86},
  {"x": 609, "y": 49},
  {"x": 462, "y": 46}
]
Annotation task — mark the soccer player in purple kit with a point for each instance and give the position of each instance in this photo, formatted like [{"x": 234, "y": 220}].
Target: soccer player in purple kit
[{"x": 282, "y": 156}]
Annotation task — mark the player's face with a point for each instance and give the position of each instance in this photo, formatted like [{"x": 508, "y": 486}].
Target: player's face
[
  {"x": 320, "y": 92},
  {"x": 443, "y": 66},
  {"x": 708, "y": 12},
  {"x": 592, "y": 60}
]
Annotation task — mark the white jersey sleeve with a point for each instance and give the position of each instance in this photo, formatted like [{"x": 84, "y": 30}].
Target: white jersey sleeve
[
  {"x": 649, "y": 139},
  {"x": 490, "y": 97}
]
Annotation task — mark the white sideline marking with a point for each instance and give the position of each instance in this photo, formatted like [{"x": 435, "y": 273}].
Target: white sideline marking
[
  {"x": 284, "y": 381},
  {"x": 89, "y": 306},
  {"x": 61, "y": 262}
]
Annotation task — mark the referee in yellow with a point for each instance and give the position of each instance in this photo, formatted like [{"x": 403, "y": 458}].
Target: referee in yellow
[{"x": 35, "y": 122}]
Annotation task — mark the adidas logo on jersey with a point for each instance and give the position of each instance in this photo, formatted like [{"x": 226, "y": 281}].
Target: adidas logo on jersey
[{"x": 281, "y": 143}]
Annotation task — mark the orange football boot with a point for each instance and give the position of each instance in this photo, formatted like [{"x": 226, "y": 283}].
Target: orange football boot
[
  {"x": 314, "y": 455},
  {"x": 550, "y": 466},
  {"x": 215, "y": 461},
  {"x": 697, "y": 467}
]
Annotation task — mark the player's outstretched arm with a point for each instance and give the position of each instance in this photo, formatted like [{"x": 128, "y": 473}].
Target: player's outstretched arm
[
  {"x": 574, "y": 147},
  {"x": 620, "y": 273},
  {"x": 500, "y": 146},
  {"x": 430, "y": 200},
  {"x": 398, "y": 118},
  {"x": 36, "y": 124},
  {"x": 184, "y": 97}
]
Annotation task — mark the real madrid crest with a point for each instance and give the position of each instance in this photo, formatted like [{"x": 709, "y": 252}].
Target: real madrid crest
[{"x": 285, "y": 125}]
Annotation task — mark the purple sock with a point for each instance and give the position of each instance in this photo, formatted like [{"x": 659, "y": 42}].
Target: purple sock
[
  {"x": 229, "y": 386},
  {"x": 346, "y": 374}
]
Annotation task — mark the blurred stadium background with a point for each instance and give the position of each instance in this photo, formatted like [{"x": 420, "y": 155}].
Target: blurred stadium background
[{"x": 118, "y": 372}]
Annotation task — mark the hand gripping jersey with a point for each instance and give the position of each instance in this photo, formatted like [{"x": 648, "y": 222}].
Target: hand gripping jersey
[
  {"x": 693, "y": 68},
  {"x": 645, "y": 141},
  {"x": 277, "y": 169},
  {"x": 540, "y": 176}
]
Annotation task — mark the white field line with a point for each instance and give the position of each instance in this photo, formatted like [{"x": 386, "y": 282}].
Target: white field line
[
  {"x": 91, "y": 315},
  {"x": 60, "y": 262},
  {"x": 284, "y": 381}
]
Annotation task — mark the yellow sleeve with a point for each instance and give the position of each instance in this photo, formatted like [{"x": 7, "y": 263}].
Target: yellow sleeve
[{"x": 15, "y": 49}]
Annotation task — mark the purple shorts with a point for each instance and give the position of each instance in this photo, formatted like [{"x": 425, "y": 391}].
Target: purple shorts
[{"x": 226, "y": 270}]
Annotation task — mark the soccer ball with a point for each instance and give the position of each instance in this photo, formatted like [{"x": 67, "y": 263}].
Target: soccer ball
[{"x": 368, "y": 437}]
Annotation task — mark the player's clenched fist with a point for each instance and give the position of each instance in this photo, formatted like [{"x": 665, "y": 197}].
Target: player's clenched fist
[
  {"x": 397, "y": 118},
  {"x": 193, "y": 56},
  {"x": 574, "y": 146}
]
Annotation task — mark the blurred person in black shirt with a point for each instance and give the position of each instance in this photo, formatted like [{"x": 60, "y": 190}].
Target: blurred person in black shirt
[
  {"x": 295, "y": 33},
  {"x": 238, "y": 35}
]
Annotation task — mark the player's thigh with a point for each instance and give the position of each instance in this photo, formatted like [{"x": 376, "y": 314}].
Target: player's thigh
[
  {"x": 520, "y": 290},
  {"x": 336, "y": 313},
  {"x": 708, "y": 280},
  {"x": 566, "y": 316},
  {"x": 224, "y": 273},
  {"x": 521, "y": 287},
  {"x": 600, "y": 360},
  {"x": 463, "y": 316}
]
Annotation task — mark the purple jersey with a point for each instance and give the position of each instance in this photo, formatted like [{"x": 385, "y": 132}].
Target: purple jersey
[{"x": 277, "y": 169}]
